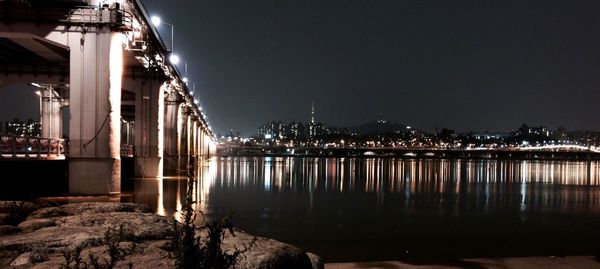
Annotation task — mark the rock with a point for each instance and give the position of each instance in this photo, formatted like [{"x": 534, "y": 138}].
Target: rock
[
  {"x": 87, "y": 230},
  {"x": 27, "y": 258},
  {"x": 53, "y": 239},
  {"x": 265, "y": 253},
  {"x": 316, "y": 261},
  {"x": 145, "y": 256},
  {"x": 4, "y": 218},
  {"x": 11, "y": 207},
  {"x": 140, "y": 226},
  {"x": 8, "y": 229},
  {"x": 51, "y": 231},
  {"x": 89, "y": 208},
  {"x": 31, "y": 225}
]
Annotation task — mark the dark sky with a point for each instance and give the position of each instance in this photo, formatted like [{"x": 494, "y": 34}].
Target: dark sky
[{"x": 466, "y": 65}]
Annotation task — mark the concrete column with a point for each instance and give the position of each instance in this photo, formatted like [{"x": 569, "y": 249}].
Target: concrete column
[
  {"x": 50, "y": 114},
  {"x": 194, "y": 140},
  {"x": 172, "y": 133},
  {"x": 204, "y": 144},
  {"x": 201, "y": 141},
  {"x": 149, "y": 127},
  {"x": 96, "y": 68},
  {"x": 184, "y": 141},
  {"x": 189, "y": 139}
]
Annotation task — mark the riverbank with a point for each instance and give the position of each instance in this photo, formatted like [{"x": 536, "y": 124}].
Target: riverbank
[
  {"x": 568, "y": 262},
  {"x": 33, "y": 236}
]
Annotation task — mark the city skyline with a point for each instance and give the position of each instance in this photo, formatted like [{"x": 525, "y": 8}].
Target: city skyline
[{"x": 465, "y": 66}]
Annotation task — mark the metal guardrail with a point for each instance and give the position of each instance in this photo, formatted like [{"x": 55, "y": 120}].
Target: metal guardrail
[
  {"x": 92, "y": 15},
  {"x": 32, "y": 147},
  {"x": 15, "y": 146}
]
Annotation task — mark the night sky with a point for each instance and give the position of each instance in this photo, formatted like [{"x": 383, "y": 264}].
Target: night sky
[{"x": 465, "y": 65}]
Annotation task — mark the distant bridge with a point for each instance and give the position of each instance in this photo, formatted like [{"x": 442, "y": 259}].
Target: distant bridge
[
  {"x": 103, "y": 63},
  {"x": 576, "y": 148},
  {"x": 541, "y": 152}
]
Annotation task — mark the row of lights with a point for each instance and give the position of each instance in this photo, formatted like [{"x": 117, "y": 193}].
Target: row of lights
[{"x": 174, "y": 59}]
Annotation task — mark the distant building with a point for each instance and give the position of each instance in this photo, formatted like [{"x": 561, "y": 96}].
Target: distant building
[
  {"x": 488, "y": 135},
  {"x": 526, "y": 130},
  {"x": 272, "y": 130},
  {"x": 26, "y": 128},
  {"x": 277, "y": 130}
]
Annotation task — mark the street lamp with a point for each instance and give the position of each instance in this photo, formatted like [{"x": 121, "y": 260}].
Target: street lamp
[
  {"x": 174, "y": 59},
  {"x": 156, "y": 21}
]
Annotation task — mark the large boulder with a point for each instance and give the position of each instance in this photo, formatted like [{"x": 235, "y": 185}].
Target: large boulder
[
  {"x": 31, "y": 225},
  {"x": 138, "y": 226},
  {"x": 53, "y": 239},
  {"x": 4, "y": 218},
  {"x": 265, "y": 253},
  {"x": 8, "y": 229},
  {"x": 11, "y": 207},
  {"x": 89, "y": 208},
  {"x": 27, "y": 259},
  {"x": 49, "y": 232}
]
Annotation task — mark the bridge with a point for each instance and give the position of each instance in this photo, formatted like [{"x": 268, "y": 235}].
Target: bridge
[
  {"x": 548, "y": 152},
  {"x": 103, "y": 65}
]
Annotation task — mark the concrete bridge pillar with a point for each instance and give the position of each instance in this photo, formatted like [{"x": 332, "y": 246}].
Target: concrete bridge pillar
[
  {"x": 172, "y": 133},
  {"x": 204, "y": 144},
  {"x": 50, "y": 113},
  {"x": 96, "y": 69},
  {"x": 201, "y": 139},
  {"x": 198, "y": 140},
  {"x": 185, "y": 134},
  {"x": 194, "y": 141},
  {"x": 149, "y": 127}
]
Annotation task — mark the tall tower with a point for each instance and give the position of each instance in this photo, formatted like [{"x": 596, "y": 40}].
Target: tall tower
[{"x": 312, "y": 113}]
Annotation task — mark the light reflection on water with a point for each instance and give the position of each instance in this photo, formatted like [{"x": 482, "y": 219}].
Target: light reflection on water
[
  {"x": 380, "y": 208},
  {"x": 408, "y": 177}
]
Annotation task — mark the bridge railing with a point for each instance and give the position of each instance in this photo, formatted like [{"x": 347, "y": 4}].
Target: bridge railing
[
  {"x": 32, "y": 147},
  {"x": 92, "y": 15}
]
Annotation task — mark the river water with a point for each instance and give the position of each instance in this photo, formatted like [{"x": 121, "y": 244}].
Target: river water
[{"x": 361, "y": 209}]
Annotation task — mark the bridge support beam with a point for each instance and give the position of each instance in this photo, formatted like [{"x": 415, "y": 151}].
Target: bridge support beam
[
  {"x": 50, "y": 114},
  {"x": 201, "y": 140},
  {"x": 96, "y": 69},
  {"x": 149, "y": 127},
  {"x": 196, "y": 146},
  {"x": 185, "y": 137},
  {"x": 173, "y": 116}
]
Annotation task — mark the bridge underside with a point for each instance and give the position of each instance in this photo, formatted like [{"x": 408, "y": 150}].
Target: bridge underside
[
  {"x": 104, "y": 68},
  {"x": 27, "y": 57}
]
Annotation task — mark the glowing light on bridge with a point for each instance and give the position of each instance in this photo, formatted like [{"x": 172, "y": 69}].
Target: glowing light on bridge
[
  {"x": 156, "y": 20},
  {"x": 174, "y": 59},
  {"x": 577, "y": 147}
]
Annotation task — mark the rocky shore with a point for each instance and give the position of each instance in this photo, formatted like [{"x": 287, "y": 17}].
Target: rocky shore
[{"x": 34, "y": 237}]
